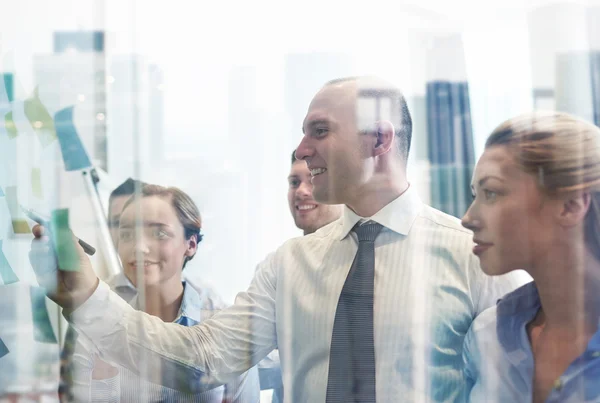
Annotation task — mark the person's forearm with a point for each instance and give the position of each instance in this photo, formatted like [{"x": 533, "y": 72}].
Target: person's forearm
[
  {"x": 79, "y": 296},
  {"x": 182, "y": 358}
]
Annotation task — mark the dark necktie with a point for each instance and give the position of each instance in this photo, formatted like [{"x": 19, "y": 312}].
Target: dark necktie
[{"x": 352, "y": 356}]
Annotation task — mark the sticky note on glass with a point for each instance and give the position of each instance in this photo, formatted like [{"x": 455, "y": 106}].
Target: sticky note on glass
[
  {"x": 3, "y": 349},
  {"x": 20, "y": 225},
  {"x": 1, "y": 192},
  {"x": 6, "y": 272},
  {"x": 42, "y": 328},
  {"x": 36, "y": 183},
  {"x": 9, "y": 124},
  {"x": 73, "y": 152},
  {"x": 40, "y": 119},
  {"x": 62, "y": 238}
]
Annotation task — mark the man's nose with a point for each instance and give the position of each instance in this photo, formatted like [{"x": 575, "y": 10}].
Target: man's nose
[
  {"x": 304, "y": 190},
  {"x": 305, "y": 149}
]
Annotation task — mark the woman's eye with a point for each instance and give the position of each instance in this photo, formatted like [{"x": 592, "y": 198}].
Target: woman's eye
[
  {"x": 490, "y": 195},
  {"x": 125, "y": 235},
  {"x": 159, "y": 234}
]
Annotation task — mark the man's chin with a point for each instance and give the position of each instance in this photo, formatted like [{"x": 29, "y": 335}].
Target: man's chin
[
  {"x": 321, "y": 197},
  {"x": 306, "y": 230},
  {"x": 303, "y": 224},
  {"x": 327, "y": 196}
]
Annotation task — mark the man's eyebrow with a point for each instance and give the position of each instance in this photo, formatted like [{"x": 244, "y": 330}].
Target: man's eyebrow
[
  {"x": 315, "y": 122},
  {"x": 320, "y": 121}
]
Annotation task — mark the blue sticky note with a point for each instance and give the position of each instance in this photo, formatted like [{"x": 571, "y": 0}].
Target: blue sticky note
[
  {"x": 6, "y": 272},
  {"x": 3, "y": 349},
  {"x": 42, "y": 328},
  {"x": 6, "y": 93},
  {"x": 73, "y": 152},
  {"x": 1, "y": 192}
]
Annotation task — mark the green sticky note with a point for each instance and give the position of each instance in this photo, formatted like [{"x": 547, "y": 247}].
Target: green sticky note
[
  {"x": 6, "y": 272},
  {"x": 11, "y": 128},
  {"x": 3, "y": 349},
  {"x": 40, "y": 119},
  {"x": 42, "y": 328},
  {"x": 36, "y": 183},
  {"x": 68, "y": 259},
  {"x": 20, "y": 225}
]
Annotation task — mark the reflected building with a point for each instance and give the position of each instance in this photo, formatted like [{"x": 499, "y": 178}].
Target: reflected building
[
  {"x": 75, "y": 74},
  {"x": 135, "y": 131}
]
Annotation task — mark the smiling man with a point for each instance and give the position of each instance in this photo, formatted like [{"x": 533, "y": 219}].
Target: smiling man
[{"x": 308, "y": 215}]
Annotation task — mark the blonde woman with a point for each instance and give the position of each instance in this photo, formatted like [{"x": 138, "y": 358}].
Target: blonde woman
[{"x": 537, "y": 207}]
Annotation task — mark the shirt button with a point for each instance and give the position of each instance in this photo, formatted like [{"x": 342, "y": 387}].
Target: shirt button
[{"x": 557, "y": 384}]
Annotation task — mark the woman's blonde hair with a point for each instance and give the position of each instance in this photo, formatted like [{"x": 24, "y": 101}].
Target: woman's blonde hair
[{"x": 563, "y": 153}]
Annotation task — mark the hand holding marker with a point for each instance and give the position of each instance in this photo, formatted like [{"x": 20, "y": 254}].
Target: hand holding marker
[{"x": 90, "y": 250}]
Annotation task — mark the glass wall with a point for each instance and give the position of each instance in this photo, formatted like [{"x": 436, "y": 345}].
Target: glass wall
[{"x": 211, "y": 99}]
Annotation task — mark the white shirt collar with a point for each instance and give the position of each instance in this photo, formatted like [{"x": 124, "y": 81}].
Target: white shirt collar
[{"x": 398, "y": 215}]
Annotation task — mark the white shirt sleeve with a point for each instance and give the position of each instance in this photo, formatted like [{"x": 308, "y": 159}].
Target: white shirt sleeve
[{"x": 189, "y": 359}]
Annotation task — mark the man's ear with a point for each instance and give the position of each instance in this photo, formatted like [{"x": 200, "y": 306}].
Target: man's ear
[{"x": 385, "y": 137}]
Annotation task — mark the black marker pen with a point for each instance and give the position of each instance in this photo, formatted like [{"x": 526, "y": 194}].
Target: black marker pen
[{"x": 89, "y": 249}]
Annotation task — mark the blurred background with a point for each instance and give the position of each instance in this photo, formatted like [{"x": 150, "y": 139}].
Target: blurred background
[{"x": 210, "y": 97}]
